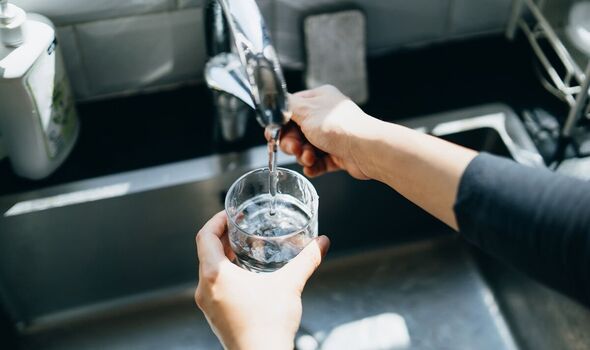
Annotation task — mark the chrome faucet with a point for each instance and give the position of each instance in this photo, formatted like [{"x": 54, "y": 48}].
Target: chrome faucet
[{"x": 244, "y": 70}]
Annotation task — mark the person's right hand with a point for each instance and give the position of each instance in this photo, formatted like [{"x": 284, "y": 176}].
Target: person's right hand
[{"x": 322, "y": 130}]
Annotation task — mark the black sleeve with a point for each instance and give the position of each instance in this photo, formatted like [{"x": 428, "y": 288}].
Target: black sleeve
[{"x": 533, "y": 219}]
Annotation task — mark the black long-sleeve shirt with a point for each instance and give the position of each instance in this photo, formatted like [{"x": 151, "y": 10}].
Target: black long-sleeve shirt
[{"x": 534, "y": 219}]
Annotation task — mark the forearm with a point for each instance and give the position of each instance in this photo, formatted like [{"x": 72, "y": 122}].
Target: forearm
[{"x": 424, "y": 169}]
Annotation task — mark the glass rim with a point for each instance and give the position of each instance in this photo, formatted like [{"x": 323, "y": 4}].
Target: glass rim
[{"x": 292, "y": 172}]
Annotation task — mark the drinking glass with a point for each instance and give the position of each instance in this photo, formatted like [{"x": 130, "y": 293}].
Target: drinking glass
[{"x": 264, "y": 241}]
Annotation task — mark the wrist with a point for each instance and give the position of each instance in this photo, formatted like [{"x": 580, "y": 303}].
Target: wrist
[{"x": 364, "y": 145}]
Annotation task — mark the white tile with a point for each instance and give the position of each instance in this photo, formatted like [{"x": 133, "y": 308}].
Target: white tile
[
  {"x": 189, "y": 44},
  {"x": 68, "y": 44},
  {"x": 267, "y": 10},
  {"x": 76, "y": 11},
  {"x": 130, "y": 54},
  {"x": 474, "y": 16},
  {"x": 390, "y": 23},
  {"x": 395, "y": 23},
  {"x": 287, "y": 32},
  {"x": 265, "y": 7}
]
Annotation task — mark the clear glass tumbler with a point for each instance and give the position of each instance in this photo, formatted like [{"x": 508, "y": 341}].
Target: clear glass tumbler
[{"x": 265, "y": 241}]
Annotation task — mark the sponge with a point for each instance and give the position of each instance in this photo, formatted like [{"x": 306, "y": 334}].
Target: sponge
[{"x": 335, "y": 48}]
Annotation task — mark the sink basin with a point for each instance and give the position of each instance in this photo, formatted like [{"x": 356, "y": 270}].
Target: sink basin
[
  {"x": 433, "y": 286},
  {"x": 110, "y": 262}
]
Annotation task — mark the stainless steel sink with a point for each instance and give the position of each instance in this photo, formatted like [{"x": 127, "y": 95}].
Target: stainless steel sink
[{"x": 110, "y": 262}]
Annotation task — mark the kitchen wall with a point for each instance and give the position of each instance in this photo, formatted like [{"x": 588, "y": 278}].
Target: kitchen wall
[{"x": 115, "y": 47}]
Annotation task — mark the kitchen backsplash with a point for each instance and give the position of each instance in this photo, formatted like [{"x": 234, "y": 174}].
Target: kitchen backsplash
[{"x": 117, "y": 47}]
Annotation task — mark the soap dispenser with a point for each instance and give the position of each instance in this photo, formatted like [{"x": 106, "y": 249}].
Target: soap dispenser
[{"x": 38, "y": 119}]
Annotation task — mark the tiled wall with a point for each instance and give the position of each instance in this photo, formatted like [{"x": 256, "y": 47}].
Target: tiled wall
[{"x": 114, "y": 47}]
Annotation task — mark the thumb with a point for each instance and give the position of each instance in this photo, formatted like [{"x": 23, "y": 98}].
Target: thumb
[{"x": 300, "y": 268}]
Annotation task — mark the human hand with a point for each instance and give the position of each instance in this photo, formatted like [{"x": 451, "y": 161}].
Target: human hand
[
  {"x": 247, "y": 310},
  {"x": 323, "y": 128}
]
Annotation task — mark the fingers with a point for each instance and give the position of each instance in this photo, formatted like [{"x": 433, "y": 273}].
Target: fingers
[
  {"x": 292, "y": 140},
  {"x": 300, "y": 268},
  {"x": 323, "y": 164},
  {"x": 217, "y": 225},
  {"x": 308, "y": 157},
  {"x": 229, "y": 253},
  {"x": 317, "y": 169},
  {"x": 210, "y": 249}
]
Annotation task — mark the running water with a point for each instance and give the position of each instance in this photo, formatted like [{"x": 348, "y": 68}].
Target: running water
[{"x": 273, "y": 178}]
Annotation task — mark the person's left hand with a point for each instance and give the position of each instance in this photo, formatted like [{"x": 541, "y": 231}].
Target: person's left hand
[{"x": 247, "y": 310}]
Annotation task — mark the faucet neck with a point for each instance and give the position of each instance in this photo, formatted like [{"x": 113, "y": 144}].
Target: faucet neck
[
  {"x": 216, "y": 29},
  {"x": 235, "y": 28}
]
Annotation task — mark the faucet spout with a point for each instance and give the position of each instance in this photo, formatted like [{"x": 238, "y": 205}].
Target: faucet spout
[{"x": 243, "y": 61}]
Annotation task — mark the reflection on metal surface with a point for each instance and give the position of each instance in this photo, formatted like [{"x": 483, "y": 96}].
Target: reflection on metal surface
[
  {"x": 66, "y": 199},
  {"x": 304, "y": 340},
  {"x": 498, "y": 122},
  {"x": 495, "y": 314},
  {"x": 138, "y": 181},
  {"x": 434, "y": 284},
  {"x": 386, "y": 331},
  {"x": 225, "y": 73}
]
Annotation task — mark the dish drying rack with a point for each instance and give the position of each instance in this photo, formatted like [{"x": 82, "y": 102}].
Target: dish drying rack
[{"x": 564, "y": 69}]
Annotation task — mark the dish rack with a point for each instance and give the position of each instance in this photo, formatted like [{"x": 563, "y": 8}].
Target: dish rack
[{"x": 563, "y": 67}]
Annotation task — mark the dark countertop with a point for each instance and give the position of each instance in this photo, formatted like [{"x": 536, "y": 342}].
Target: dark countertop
[{"x": 140, "y": 131}]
